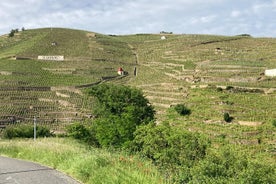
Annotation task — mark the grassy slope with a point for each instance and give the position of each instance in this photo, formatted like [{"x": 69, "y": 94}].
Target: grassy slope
[
  {"x": 181, "y": 69},
  {"x": 89, "y": 57},
  {"x": 172, "y": 69},
  {"x": 187, "y": 68},
  {"x": 167, "y": 69}
]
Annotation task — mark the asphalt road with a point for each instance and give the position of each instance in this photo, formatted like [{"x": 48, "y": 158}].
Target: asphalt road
[{"x": 13, "y": 171}]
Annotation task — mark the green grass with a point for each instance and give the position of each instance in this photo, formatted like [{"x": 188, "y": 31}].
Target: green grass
[{"x": 86, "y": 164}]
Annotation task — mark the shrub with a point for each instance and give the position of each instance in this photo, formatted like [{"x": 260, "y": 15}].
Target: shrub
[
  {"x": 227, "y": 118},
  {"x": 274, "y": 122},
  {"x": 229, "y": 88},
  {"x": 11, "y": 34},
  {"x": 174, "y": 150},
  {"x": 26, "y": 131},
  {"x": 219, "y": 89},
  {"x": 182, "y": 110},
  {"x": 231, "y": 165},
  {"x": 82, "y": 132},
  {"x": 77, "y": 131}
]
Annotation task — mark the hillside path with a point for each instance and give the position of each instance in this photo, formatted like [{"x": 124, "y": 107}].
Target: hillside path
[{"x": 13, "y": 171}]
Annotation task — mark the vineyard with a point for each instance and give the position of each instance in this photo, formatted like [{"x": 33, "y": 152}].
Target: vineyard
[
  {"x": 52, "y": 90},
  {"x": 210, "y": 74}
]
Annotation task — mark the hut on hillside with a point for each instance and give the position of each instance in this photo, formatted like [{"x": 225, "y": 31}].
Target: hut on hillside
[{"x": 120, "y": 71}]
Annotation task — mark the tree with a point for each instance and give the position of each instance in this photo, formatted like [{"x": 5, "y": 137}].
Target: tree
[
  {"x": 11, "y": 34},
  {"x": 120, "y": 110}
]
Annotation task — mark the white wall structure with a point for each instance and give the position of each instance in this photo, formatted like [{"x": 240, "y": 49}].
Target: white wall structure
[
  {"x": 270, "y": 73},
  {"x": 51, "y": 58}
]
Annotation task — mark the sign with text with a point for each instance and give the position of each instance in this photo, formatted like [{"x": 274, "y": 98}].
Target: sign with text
[{"x": 51, "y": 58}]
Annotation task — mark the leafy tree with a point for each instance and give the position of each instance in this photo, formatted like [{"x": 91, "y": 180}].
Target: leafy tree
[
  {"x": 12, "y": 32},
  {"x": 120, "y": 110}
]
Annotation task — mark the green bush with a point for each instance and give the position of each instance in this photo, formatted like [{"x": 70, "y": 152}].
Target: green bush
[
  {"x": 229, "y": 88},
  {"x": 82, "y": 132},
  {"x": 182, "y": 110},
  {"x": 230, "y": 165},
  {"x": 227, "y": 118},
  {"x": 174, "y": 150},
  {"x": 77, "y": 131},
  {"x": 120, "y": 110},
  {"x": 274, "y": 122},
  {"x": 25, "y": 131},
  {"x": 219, "y": 89},
  {"x": 11, "y": 34}
]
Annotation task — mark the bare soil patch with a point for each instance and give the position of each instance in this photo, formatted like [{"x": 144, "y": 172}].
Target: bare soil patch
[{"x": 250, "y": 123}]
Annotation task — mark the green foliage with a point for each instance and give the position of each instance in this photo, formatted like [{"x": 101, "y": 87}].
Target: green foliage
[
  {"x": 274, "y": 122},
  {"x": 26, "y": 131},
  {"x": 172, "y": 149},
  {"x": 182, "y": 109},
  {"x": 219, "y": 89},
  {"x": 120, "y": 111},
  {"x": 77, "y": 131},
  {"x": 229, "y": 88},
  {"x": 227, "y": 118},
  {"x": 230, "y": 165},
  {"x": 12, "y": 32},
  {"x": 80, "y": 131}
]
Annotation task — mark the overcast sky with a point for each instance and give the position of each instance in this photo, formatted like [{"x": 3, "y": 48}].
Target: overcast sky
[{"x": 221, "y": 17}]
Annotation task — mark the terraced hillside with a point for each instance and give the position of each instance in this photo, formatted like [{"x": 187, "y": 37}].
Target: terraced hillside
[
  {"x": 51, "y": 90},
  {"x": 171, "y": 70},
  {"x": 209, "y": 74}
]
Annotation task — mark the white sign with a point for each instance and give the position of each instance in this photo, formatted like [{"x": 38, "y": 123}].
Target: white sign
[
  {"x": 51, "y": 58},
  {"x": 270, "y": 73}
]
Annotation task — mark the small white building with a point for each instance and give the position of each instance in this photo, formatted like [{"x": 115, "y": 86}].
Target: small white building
[{"x": 270, "y": 73}]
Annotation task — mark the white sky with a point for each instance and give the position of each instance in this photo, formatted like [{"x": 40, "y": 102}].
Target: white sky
[{"x": 220, "y": 17}]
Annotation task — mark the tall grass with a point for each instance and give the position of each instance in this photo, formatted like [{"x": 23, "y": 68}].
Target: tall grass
[{"x": 86, "y": 164}]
